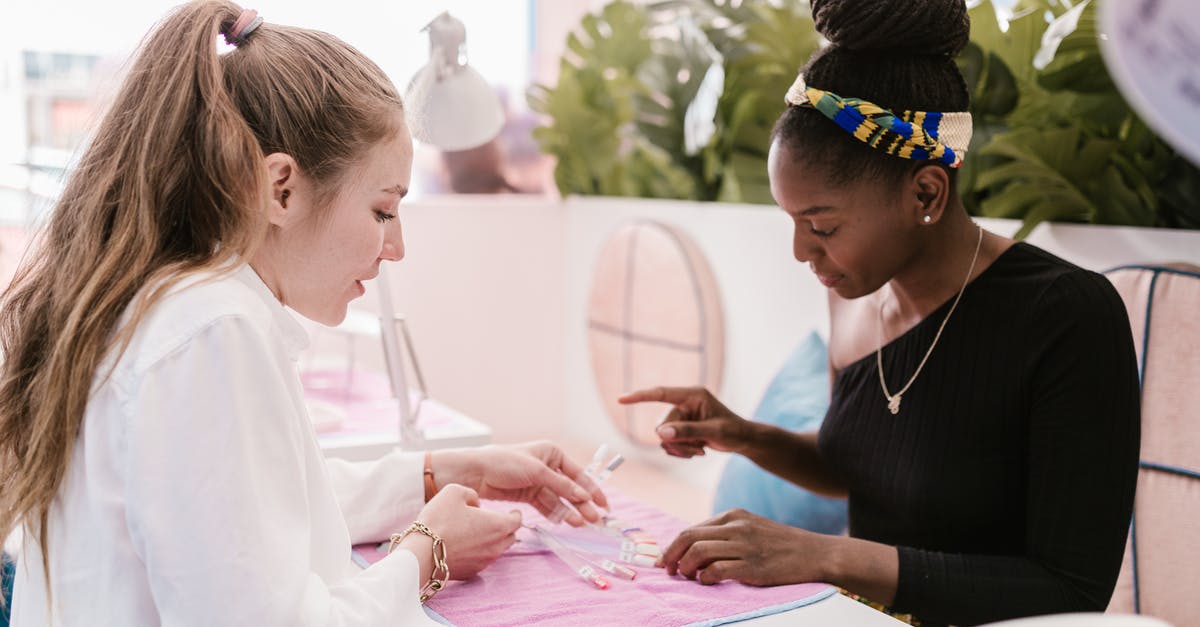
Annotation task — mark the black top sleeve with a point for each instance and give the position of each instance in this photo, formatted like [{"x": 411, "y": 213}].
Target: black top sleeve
[
  {"x": 1006, "y": 479},
  {"x": 1082, "y": 438}
]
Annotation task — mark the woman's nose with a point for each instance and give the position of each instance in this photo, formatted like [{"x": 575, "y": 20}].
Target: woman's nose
[
  {"x": 804, "y": 246},
  {"x": 393, "y": 244}
]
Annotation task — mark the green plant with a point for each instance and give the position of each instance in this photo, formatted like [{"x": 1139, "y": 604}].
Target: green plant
[
  {"x": 1053, "y": 140},
  {"x": 1058, "y": 142},
  {"x": 592, "y": 111},
  {"x": 618, "y": 119}
]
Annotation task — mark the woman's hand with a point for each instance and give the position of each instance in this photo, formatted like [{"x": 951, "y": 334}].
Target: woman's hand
[
  {"x": 474, "y": 537},
  {"x": 537, "y": 473},
  {"x": 748, "y": 548},
  {"x": 698, "y": 420}
]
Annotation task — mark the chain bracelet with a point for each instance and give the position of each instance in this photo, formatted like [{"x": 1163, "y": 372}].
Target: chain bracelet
[{"x": 441, "y": 571}]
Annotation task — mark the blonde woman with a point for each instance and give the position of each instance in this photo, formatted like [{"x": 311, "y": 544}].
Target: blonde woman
[{"x": 154, "y": 445}]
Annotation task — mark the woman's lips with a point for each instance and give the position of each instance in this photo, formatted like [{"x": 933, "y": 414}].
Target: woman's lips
[{"x": 829, "y": 280}]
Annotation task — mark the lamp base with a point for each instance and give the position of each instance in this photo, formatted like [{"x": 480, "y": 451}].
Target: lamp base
[
  {"x": 360, "y": 437},
  {"x": 370, "y": 427}
]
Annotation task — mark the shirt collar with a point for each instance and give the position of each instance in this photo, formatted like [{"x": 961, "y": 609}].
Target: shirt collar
[{"x": 295, "y": 338}]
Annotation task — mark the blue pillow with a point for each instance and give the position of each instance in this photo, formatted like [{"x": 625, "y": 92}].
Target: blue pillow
[{"x": 797, "y": 400}]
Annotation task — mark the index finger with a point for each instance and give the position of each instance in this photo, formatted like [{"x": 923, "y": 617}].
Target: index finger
[
  {"x": 575, "y": 493},
  {"x": 573, "y": 470},
  {"x": 660, "y": 394},
  {"x": 684, "y": 541}
]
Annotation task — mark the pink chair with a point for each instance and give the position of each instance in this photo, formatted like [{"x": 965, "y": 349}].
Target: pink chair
[{"x": 1162, "y": 558}]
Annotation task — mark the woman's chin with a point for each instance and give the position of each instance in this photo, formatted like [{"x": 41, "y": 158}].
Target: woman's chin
[{"x": 328, "y": 316}]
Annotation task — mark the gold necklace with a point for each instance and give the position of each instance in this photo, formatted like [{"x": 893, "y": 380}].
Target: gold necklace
[{"x": 894, "y": 399}]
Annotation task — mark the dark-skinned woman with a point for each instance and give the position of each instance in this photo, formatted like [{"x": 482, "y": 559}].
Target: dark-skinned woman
[{"x": 984, "y": 416}]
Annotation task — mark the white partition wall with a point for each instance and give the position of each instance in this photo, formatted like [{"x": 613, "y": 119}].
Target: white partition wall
[
  {"x": 481, "y": 286},
  {"x": 496, "y": 292}
]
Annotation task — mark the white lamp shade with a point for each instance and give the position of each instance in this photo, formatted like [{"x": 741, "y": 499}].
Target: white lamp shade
[
  {"x": 1150, "y": 49},
  {"x": 458, "y": 112}
]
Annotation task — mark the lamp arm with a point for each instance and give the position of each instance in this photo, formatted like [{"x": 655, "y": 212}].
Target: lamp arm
[{"x": 410, "y": 434}]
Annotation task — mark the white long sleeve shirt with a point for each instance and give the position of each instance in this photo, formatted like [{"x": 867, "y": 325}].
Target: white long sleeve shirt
[{"x": 197, "y": 494}]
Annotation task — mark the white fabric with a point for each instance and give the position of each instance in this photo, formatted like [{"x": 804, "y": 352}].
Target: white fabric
[{"x": 197, "y": 494}]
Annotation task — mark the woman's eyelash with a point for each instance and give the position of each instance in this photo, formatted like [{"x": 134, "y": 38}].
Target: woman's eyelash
[
  {"x": 822, "y": 233},
  {"x": 384, "y": 216}
]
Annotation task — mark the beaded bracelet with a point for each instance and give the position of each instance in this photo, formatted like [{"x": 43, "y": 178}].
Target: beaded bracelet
[{"x": 441, "y": 572}]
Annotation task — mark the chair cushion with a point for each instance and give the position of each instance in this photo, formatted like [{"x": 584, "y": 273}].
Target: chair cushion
[{"x": 1162, "y": 304}]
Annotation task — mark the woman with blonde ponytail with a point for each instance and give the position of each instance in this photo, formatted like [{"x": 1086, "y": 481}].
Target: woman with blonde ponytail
[{"x": 154, "y": 445}]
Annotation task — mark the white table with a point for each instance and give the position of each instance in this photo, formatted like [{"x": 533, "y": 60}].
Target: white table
[
  {"x": 367, "y": 424},
  {"x": 838, "y": 610},
  {"x": 442, "y": 426}
]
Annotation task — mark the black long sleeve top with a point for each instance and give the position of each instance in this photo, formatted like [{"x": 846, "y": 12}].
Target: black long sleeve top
[{"x": 1006, "y": 480}]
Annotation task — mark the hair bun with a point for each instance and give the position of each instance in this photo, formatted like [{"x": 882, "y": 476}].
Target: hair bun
[{"x": 919, "y": 27}]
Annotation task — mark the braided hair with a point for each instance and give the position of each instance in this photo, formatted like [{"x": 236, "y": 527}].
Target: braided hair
[{"x": 898, "y": 54}]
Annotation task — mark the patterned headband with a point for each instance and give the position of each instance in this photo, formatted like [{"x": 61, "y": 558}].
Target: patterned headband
[{"x": 918, "y": 135}]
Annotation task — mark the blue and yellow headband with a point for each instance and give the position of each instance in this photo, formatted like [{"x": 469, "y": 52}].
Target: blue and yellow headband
[{"x": 919, "y": 135}]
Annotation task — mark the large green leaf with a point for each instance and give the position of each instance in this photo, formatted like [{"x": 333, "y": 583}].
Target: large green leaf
[
  {"x": 1077, "y": 64},
  {"x": 758, "y": 71},
  {"x": 1015, "y": 45},
  {"x": 671, "y": 79},
  {"x": 1063, "y": 174},
  {"x": 994, "y": 90},
  {"x": 615, "y": 39}
]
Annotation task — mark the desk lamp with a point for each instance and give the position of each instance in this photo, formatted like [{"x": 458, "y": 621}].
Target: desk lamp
[
  {"x": 1150, "y": 47},
  {"x": 450, "y": 106},
  {"x": 411, "y": 436}
]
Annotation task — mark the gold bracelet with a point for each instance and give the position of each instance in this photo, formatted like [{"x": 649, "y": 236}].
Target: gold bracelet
[{"x": 441, "y": 572}]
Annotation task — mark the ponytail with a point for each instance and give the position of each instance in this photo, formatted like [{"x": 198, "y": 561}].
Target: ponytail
[{"x": 171, "y": 184}]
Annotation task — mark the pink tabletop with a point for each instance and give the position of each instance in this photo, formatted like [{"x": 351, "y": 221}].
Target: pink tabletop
[{"x": 529, "y": 585}]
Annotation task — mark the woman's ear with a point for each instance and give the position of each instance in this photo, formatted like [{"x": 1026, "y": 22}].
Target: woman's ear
[
  {"x": 929, "y": 187},
  {"x": 282, "y": 175}
]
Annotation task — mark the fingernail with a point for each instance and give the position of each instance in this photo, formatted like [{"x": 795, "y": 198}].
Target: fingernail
[
  {"x": 666, "y": 432},
  {"x": 580, "y": 494},
  {"x": 559, "y": 514}
]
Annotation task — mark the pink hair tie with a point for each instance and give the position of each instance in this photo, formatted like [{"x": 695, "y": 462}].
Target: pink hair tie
[{"x": 245, "y": 24}]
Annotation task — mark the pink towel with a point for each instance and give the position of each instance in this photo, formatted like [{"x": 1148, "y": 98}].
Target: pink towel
[{"x": 529, "y": 585}]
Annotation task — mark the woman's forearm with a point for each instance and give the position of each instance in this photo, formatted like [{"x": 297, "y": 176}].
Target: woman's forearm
[
  {"x": 869, "y": 569},
  {"x": 792, "y": 456}
]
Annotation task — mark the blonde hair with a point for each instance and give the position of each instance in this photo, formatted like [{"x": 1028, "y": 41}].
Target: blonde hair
[{"x": 172, "y": 183}]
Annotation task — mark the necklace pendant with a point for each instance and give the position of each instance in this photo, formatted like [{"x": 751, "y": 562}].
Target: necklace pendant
[{"x": 894, "y": 404}]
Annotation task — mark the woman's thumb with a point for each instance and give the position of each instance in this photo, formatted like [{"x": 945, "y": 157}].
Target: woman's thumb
[{"x": 689, "y": 430}]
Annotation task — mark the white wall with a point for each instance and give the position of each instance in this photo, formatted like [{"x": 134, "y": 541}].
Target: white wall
[
  {"x": 496, "y": 290},
  {"x": 481, "y": 289},
  {"x": 1101, "y": 248}
]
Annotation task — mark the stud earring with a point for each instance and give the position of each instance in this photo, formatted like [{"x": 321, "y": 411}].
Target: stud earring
[{"x": 927, "y": 219}]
